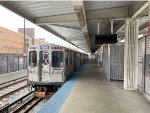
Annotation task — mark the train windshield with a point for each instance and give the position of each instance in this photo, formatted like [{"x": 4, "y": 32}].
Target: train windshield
[
  {"x": 57, "y": 59},
  {"x": 32, "y": 59},
  {"x": 44, "y": 58}
]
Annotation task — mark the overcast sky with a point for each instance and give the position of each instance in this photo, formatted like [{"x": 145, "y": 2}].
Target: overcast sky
[{"x": 12, "y": 21}]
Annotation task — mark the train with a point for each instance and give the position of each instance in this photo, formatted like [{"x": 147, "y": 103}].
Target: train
[{"x": 50, "y": 65}]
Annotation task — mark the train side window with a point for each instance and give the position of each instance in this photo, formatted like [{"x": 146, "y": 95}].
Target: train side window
[
  {"x": 70, "y": 57},
  {"x": 57, "y": 59},
  {"x": 67, "y": 58},
  {"x": 32, "y": 58}
]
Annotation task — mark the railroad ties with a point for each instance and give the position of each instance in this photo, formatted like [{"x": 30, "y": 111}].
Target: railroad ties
[{"x": 18, "y": 97}]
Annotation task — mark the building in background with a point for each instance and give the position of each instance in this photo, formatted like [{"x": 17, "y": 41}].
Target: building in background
[
  {"x": 12, "y": 42},
  {"x": 29, "y": 32}
]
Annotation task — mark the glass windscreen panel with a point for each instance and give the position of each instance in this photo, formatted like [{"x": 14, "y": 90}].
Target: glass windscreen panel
[
  {"x": 44, "y": 58},
  {"x": 32, "y": 58},
  {"x": 57, "y": 59}
]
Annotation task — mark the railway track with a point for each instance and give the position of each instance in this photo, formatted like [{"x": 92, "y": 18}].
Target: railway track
[
  {"x": 14, "y": 82},
  {"x": 27, "y": 105},
  {"x": 33, "y": 104},
  {"x": 7, "y": 108},
  {"x": 16, "y": 98},
  {"x": 24, "y": 104},
  {"x": 36, "y": 108},
  {"x": 12, "y": 92}
]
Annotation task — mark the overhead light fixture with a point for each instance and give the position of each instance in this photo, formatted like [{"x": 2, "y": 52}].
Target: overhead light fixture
[{"x": 80, "y": 15}]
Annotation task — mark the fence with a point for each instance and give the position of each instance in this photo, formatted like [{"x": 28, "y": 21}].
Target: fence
[
  {"x": 11, "y": 62},
  {"x": 117, "y": 61}
]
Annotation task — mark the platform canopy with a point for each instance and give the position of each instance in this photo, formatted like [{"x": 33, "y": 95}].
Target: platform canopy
[{"x": 79, "y": 21}]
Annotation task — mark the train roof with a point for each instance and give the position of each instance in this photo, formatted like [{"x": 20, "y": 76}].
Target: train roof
[{"x": 52, "y": 44}]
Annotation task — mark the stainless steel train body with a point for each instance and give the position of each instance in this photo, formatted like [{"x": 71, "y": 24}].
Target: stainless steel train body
[{"x": 52, "y": 64}]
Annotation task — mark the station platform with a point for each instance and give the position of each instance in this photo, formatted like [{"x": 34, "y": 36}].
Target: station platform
[{"x": 88, "y": 91}]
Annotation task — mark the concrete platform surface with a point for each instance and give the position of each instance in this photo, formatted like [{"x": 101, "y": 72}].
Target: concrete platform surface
[{"x": 92, "y": 93}]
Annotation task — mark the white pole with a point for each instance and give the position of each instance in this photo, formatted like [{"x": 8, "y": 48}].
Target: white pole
[
  {"x": 112, "y": 27},
  {"x": 127, "y": 23},
  {"x": 98, "y": 28}
]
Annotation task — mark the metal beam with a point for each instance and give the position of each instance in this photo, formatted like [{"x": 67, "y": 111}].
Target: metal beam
[
  {"x": 79, "y": 42},
  {"x": 17, "y": 10},
  {"x": 64, "y": 38},
  {"x": 57, "y": 18},
  {"x": 145, "y": 25},
  {"x": 82, "y": 46},
  {"x": 75, "y": 34},
  {"x": 112, "y": 13},
  {"x": 79, "y": 6},
  {"x": 52, "y": 31},
  {"x": 121, "y": 34},
  {"x": 74, "y": 39},
  {"x": 81, "y": 15},
  {"x": 57, "y": 34},
  {"x": 135, "y": 7},
  {"x": 141, "y": 28},
  {"x": 120, "y": 28},
  {"x": 143, "y": 32},
  {"x": 60, "y": 25},
  {"x": 138, "y": 12}
]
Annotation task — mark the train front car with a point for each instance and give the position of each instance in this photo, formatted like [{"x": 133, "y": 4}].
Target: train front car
[
  {"x": 45, "y": 71},
  {"x": 32, "y": 75}
]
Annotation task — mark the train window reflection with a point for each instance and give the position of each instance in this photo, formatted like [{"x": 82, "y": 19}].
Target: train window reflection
[
  {"x": 44, "y": 58},
  {"x": 57, "y": 59},
  {"x": 32, "y": 59}
]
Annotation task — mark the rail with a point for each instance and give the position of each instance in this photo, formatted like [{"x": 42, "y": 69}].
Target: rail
[{"x": 6, "y": 108}]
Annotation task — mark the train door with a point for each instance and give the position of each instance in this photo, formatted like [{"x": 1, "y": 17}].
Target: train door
[
  {"x": 141, "y": 64},
  {"x": 44, "y": 65},
  {"x": 32, "y": 69},
  {"x": 57, "y": 66}
]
